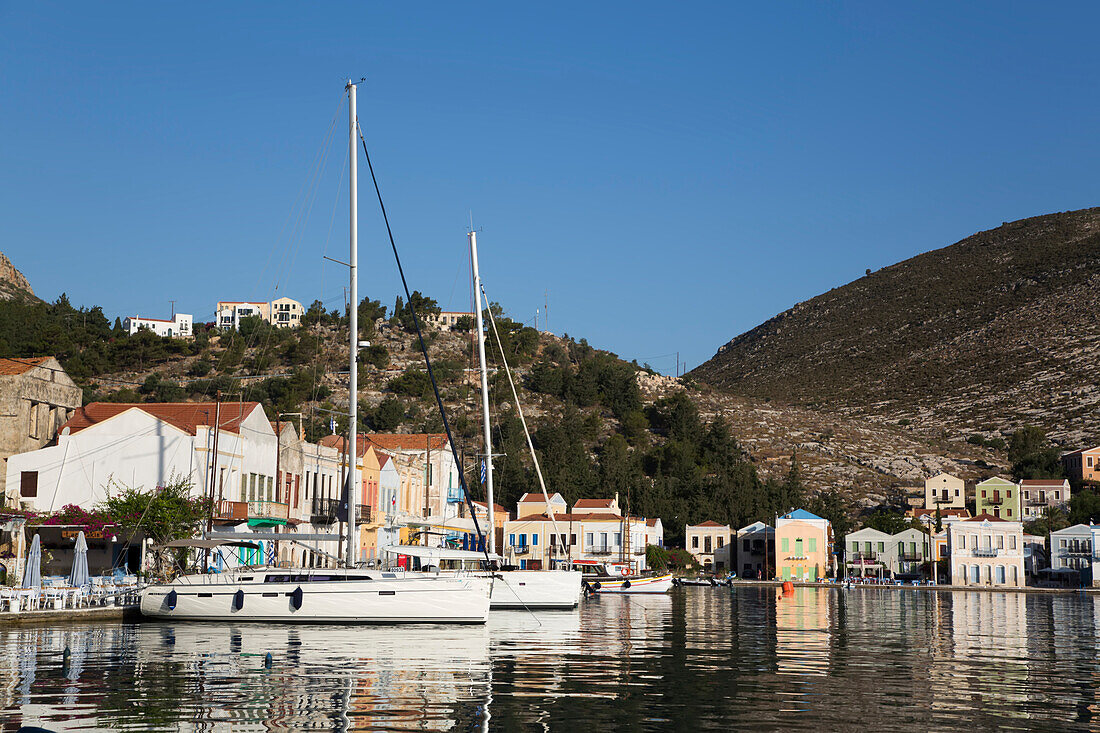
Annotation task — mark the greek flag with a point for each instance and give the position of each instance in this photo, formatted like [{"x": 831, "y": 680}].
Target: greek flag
[{"x": 483, "y": 475}]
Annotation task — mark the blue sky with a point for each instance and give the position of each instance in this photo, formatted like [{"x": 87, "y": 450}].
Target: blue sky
[{"x": 673, "y": 174}]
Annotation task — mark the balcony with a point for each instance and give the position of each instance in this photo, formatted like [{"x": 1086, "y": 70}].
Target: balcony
[
  {"x": 985, "y": 552},
  {"x": 520, "y": 550},
  {"x": 863, "y": 558},
  {"x": 267, "y": 513},
  {"x": 640, "y": 551},
  {"x": 454, "y": 496},
  {"x": 1077, "y": 550},
  {"x": 602, "y": 550},
  {"x": 911, "y": 556},
  {"x": 995, "y": 500},
  {"x": 230, "y": 511},
  {"x": 323, "y": 511}
]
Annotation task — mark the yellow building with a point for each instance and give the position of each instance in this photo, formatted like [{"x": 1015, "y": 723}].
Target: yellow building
[{"x": 804, "y": 546}]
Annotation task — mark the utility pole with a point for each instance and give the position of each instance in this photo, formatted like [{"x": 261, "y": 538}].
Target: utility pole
[
  {"x": 546, "y": 310},
  {"x": 677, "y": 363},
  {"x": 173, "y": 316}
]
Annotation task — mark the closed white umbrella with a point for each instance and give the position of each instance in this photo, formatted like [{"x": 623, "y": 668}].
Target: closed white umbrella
[
  {"x": 78, "y": 576},
  {"x": 32, "y": 576}
]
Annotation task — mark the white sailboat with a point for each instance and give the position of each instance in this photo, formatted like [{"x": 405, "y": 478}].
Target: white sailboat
[
  {"x": 304, "y": 595},
  {"x": 553, "y": 589}
]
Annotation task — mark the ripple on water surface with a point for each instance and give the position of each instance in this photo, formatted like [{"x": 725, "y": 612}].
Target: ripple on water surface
[{"x": 706, "y": 658}]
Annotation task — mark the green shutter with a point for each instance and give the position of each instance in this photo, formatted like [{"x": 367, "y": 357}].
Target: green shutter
[
  {"x": 785, "y": 544},
  {"x": 813, "y": 544}
]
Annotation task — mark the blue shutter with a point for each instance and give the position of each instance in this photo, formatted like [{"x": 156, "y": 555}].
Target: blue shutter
[{"x": 534, "y": 539}]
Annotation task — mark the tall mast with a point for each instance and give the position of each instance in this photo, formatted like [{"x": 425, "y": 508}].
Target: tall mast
[
  {"x": 353, "y": 318},
  {"x": 491, "y": 530}
]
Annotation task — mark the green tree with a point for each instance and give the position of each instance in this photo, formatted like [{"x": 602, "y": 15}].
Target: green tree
[
  {"x": 1084, "y": 507},
  {"x": 388, "y": 416},
  {"x": 1033, "y": 456}
]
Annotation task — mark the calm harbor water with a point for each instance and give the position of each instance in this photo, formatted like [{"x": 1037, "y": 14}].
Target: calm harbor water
[{"x": 699, "y": 658}]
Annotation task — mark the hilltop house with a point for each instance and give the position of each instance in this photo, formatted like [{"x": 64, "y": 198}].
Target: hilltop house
[
  {"x": 804, "y": 546},
  {"x": 179, "y": 326},
  {"x": 1038, "y": 495},
  {"x": 1083, "y": 464},
  {"x": 999, "y": 498},
  {"x": 944, "y": 491},
  {"x": 283, "y": 313},
  {"x": 36, "y": 397}
]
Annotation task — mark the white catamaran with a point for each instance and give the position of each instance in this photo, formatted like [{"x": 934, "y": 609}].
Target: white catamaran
[{"x": 345, "y": 595}]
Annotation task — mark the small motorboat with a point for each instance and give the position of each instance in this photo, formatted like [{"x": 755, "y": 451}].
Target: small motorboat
[{"x": 610, "y": 577}]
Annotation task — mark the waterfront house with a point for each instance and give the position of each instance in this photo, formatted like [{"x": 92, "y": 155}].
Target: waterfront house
[
  {"x": 597, "y": 506},
  {"x": 1038, "y": 495},
  {"x": 1083, "y": 464},
  {"x": 179, "y": 326},
  {"x": 912, "y": 551},
  {"x": 869, "y": 552},
  {"x": 755, "y": 550},
  {"x": 945, "y": 492},
  {"x": 1071, "y": 551},
  {"x": 703, "y": 539},
  {"x": 986, "y": 550},
  {"x": 36, "y": 398},
  {"x": 999, "y": 498},
  {"x": 804, "y": 544},
  {"x": 1035, "y": 555}
]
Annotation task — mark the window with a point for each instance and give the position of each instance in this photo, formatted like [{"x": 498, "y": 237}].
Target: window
[
  {"x": 956, "y": 492},
  {"x": 962, "y": 541},
  {"x": 1010, "y": 512},
  {"x": 1001, "y": 574},
  {"x": 32, "y": 427},
  {"x": 534, "y": 539},
  {"x": 813, "y": 544},
  {"x": 855, "y": 547},
  {"x": 1061, "y": 543},
  {"x": 572, "y": 539},
  {"x": 881, "y": 546},
  {"x": 1090, "y": 461},
  {"x": 785, "y": 544},
  {"x": 983, "y": 490},
  {"x": 1012, "y": 542},
  {"x": 523, "y": 540},
  {"x": 28, "y": 484},
  {"x": 745, "y": 546},
  {"x": 553, "y": 540},
  {"x": 1000, "y": 542},
  {"x": 512, "y": 540},
  {"x": 1057, "y": 496},
  {"x": 619, "y": 539},
  {"x": 589, "y": 539},
  {"x": 1027, "y": 495},
  {"x": 603, "y": 539},
  {"x": 706, "y": 544},
  {"x": 721, "y": 541},
  {"x": 694, "y": 540}
]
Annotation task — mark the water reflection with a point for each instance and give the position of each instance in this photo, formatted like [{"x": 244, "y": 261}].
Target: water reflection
[{"x": 699, "y": 658}]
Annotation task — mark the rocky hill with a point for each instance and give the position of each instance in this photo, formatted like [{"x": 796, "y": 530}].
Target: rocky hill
[
  {"x": 13, "y": 285},
  {"x": 991, "y": 333}
]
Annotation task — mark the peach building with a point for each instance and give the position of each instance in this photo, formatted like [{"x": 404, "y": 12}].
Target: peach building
[{"x": 804, "y": 546}]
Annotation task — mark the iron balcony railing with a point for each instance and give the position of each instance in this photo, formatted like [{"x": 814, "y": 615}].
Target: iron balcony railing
[
  {"x": 639, "y": 551},
  {"x": 601, "y": 550},
  {"x": 323, "y": 511},
  {"x": 862, "y": 558},
  {"x": 1078, "y": 549},
  {"x": 911, "y": 555},
  {"x": 520, "y": 550},
  {"x": 996, "y": 499},
  {"x": 985, "y": 552}
]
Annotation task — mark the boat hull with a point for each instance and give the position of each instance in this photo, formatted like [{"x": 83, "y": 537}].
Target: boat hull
[
  {"x": 639, "y": 585},
  {"x": 530, "y": 589},
  {"x": 375, "y": 601}
]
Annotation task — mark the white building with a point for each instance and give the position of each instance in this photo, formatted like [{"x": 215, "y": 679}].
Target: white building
[
  {"x": 180, "y": 326},
  {"x": 230, "y": 312},
  {"x": 986, "y": 550},
  {"x": 145, "y": 445},
  {"x": 446, "y": 320}
]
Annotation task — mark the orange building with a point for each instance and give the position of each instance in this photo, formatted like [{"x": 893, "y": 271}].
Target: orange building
[{"x": 1083, "y": 465}]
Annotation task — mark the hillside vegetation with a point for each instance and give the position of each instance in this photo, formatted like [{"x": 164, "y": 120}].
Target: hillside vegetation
[{"x": 978, "y": 338}]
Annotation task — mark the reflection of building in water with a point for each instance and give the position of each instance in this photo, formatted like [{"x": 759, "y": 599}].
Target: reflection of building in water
[
  {"x": 802, "y": 632},
  {"x": 990, "y": 635}
]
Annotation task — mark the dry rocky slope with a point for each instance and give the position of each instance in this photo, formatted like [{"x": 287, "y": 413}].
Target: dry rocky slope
[
  {"x": 13, "y": 285},
  {"x": 994, "y": 332}
]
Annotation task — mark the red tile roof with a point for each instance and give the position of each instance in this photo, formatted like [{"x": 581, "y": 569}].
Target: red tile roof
[
  {"x": 593, "y": 504},
  {"x": 529, "y": 496},
  {"x": 383, "y": 459},
  {"x": 186, "y": 416},
  {"x": 497, "y": 508},
  {"x": 13, "y": 367},
  {"x": 984, "y": 517},
  {"x": 340, "y": 443},
  {"x": 708, "y": 523},
  {"x": 566, "y": 517},
  {"x": 414, "y": 441}
]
